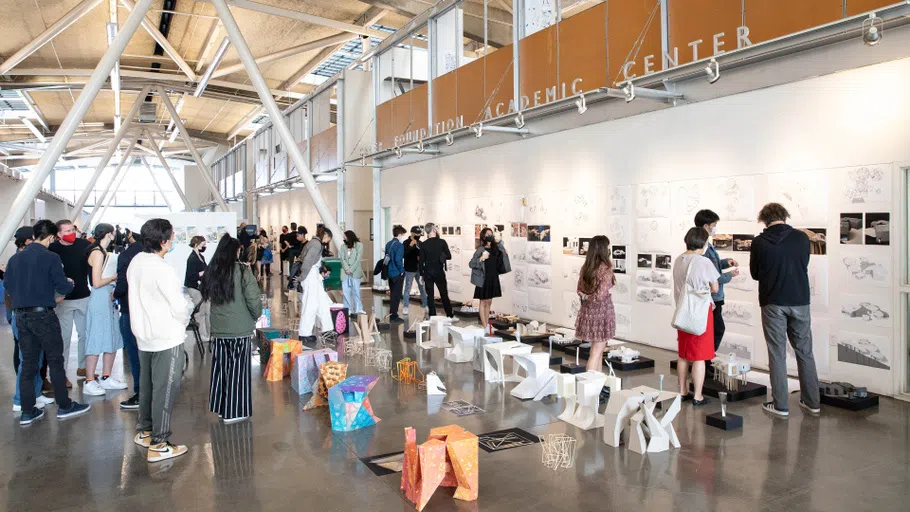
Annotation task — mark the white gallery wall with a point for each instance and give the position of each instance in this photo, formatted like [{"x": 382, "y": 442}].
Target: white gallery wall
[
  {"x": 823, "y": 147},
  {"x": 295, "y": 205}
]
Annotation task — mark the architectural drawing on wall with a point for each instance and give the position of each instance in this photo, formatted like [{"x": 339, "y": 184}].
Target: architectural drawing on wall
[
  {"x": 818, "y": 284},
  {"x": 741, "y": 346},
  {"x": 540, "y": 208},
  {"x": 659, "y": 296},
  {"x": 653, "y": 235},
  {"x": 520, "y": 277},
  {"x": 865, "y": 309},
  {"x": 687, "y": 197},
  {"x": 619, "y": 229},
  {"x": 654, "y": 278},
  {"x": 479, "y": 209},
  {"x": 737, "y": 196},
  {"x": 538, "y": 253},
  {"x": 871, "y": 268},
  {"x": 540, "y": 276},
  {"x": 743, "y": 281},
  {"x": 622, "y": 290},
  {"x": 519, "y": 303},
  {"x": 863, "y": 350},
  {"x": 653, "y": 200},
  {"x": 623, "y": 319},
  {"x": 804, "y": 195},
  {"x": 539, "y": 300},
  {"x": 419, "y": 215},
  {"x": 867, "y": 184},
  {"x": 571, "y": 268},
  {"x": 455, "y": 287},
  {"x": 620, "y": 200},
  {"x": 580, "y": 211},
  {"x": 738, "y": 312},
  {"x": 572, "y": 303}
]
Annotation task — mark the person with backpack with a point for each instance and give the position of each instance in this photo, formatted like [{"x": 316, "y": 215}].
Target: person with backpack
[{"x": 394, "y": 269}]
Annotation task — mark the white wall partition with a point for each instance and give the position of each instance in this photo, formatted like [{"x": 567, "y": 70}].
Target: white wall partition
[
  {"x": 824, "y": 147},
  {"x": 295, "y": 205}
]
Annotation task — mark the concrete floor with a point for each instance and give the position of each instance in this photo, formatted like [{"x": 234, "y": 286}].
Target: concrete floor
[{"x": 285, "y": 458}]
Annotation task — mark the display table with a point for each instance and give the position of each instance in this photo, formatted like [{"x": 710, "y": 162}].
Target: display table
[
  {"x": 494, "y": 360},
  {"x": 479, "y": 343},
  {"x": 582, "y": 394},
  {"x": 438, "y": 332},
  {"x": 305, "y": 374},
  {"x": 281, "y": 358},
  {"x": 630, "y": 410},
  {"x": 349, "y": 404},
  {"x": 541, "y": 380},
  {"x": 462, "y": 350}
]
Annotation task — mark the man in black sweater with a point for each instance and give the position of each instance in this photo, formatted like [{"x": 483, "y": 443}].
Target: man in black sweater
[
  {"x": 434, "y": 252},
  {"x": 121, "y": 294},
  {"x": 72, "y": 311},
  {"x": 779, "y": 262},
  {"x": 412, "y": 257}
]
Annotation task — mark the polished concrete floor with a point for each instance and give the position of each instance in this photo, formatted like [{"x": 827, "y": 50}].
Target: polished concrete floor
[{"x": 286, "y": 459}]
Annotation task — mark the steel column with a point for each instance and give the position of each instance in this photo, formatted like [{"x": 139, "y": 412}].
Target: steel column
[
  {"x": 69, "y": 125},
  {"x": 278, "y": 122},
  {"x": 154, "y": 144}
]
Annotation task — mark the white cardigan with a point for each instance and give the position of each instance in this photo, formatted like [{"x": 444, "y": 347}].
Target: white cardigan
[{"x": 159, "y": 312}]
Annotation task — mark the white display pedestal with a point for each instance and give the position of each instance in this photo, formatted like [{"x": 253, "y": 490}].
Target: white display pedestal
[
  {"x": 541, "y": 380},
  {"x": 493, "y": 369},
  {"x": 438, "y": 330},
  {"x": 479, "y": 343},
  {"x": 582, "y": 394},
  {"x": 462, "y": 350},
  {"x": 629, "y": 410}
]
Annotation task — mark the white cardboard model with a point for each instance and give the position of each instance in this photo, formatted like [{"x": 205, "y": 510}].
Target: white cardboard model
[
  {"x": 731, "y": 372},
  {"x": 624, "y": 354},
  {"x": 613, "y": 382},
  {"x": 629, "y": 411},
  {"x": 582, "y": 394},
  {"x": 479, "y": 357},
  {"x": 435, "y": 385},
  {"x": 541, "y": 380},
  {"x": 438, "y": 332},
  {"x": 494, "y": 361},
  {"x": 462, "y": 350}
]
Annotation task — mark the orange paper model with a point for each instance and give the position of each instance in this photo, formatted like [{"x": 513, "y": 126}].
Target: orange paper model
[
  {"x": 277, "y": 369},
  {"x": 447, "y": 459}
]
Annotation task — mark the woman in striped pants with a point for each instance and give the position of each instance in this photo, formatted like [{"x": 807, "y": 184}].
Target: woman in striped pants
[{"x": 233, "y": 292}]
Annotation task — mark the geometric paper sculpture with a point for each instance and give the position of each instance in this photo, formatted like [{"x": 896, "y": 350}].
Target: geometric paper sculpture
[
  {"x": 305, "y": 375},
  {"x": 494, "y": 361},
  {"x": 558, "y": 451},
  {"x": 407, "y": 371},
  {"x": 439, "y": 335},
  {"x": 340, "y": 318},
  {"x": 463, "y": 338},
  {"x": 478, "y": 357},
  {"x": 541, "y": 380},
  {"x": 349, "y": 405},
  {"x": 330, "y": 373},
  {"x": 631, "y": 413},
  {"x": 582, "y": 394},
  {"x": 435, "y": 385},
  {"x": 281, "y": 359},
  {"x": 448, "y": 458}
]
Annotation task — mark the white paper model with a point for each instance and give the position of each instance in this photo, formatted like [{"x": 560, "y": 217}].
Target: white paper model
[
  {"x": 630, "y": 411},
  {"x": 435, "y": 385},
  {"x": 623, "y": 354},
  {"x": 540, "y": 381},
  {"x": 730, "y": 371},
  {"x": 582, "y": 394}
]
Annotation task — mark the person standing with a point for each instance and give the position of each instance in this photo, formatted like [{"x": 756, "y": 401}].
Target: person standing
[
  {"x": 487, "y": 264},
  {"x": 266, "y": 258},
  {"x": 32, "y": 277},
  {"x": 394, "y": 256},
  {"x": 692, "y": 270},
  {"x": 234, "y": 294},
  {"x": 72, "y": 311},
  {"x": 102, "y": 328},
  {"x": 121, "y": 294},
  {"x": 353, "y": 273},
  {"x": 284, "y": 245},
  {"x": 314, "y": 301},
  {"x": 159, "y": 314},
  {"x": 779, "y": 261},
  {"x": 296, "y": 238},
  {"x": 412, "y": 269},
  {"x": 195, "y": 269},
  {"x": 596, "y": 321},
  {"x": 435, "y": 253},
  {"x": 707, "y": 219},
  {"x": 243, "y": 236}
]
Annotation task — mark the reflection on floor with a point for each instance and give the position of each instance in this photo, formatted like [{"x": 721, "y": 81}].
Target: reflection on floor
[{"x": 285, "y": 457}]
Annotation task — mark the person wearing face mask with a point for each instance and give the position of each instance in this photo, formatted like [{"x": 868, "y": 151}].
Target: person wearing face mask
[
  {"x": 159, "y": 313},
  {"x": 412, "y": 253},
  {"x": 195, "y": 268},
  {"x": 314, "y": 301},
  {"x": 121, "y": 294},
  {"x": 487, "y": 264},
  {"x": 692, "y": 270},
  {"x": 394, "y": 251},
  {"x": 707, "y": 219},
  {"x": 102, "y": 329},
  {"x": 74, "y": 306}
]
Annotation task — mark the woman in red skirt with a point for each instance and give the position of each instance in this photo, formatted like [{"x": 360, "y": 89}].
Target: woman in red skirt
[
  {"x": 596, "y": 322},
  {"x": 702, "y": 275}
]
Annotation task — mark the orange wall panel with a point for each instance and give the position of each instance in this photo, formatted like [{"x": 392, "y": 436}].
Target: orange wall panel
[
  {"x": 419, "y": 108},
  {"x": 855, "y": 7},
  {"x": 769, "y": 19},
  {"x": 445, "y": 94},
  {"x": 471, "y": 98},
  {"x": 384, "y": 125},
  {"x": 500, "y": 73},
  {"x": 626, "y": 22},
  {"x": 583, "y": 49},
  {"x": 691, "y": 20},
  {"x": 537, "y": 71}
]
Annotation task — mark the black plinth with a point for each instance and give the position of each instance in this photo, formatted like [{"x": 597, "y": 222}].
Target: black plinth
[
  {"x": 375, "y": 290},
  {"x": 568, "y": 348},
  {"x": 465, "y": 314},
  {"x": 728, "y": 422},
  {"x": 554, "y": 360},
  {"x": 642, "y": 363},
  {"x": 673, "y": 364},
  {"x": 745, "y": 391},
  {"x": 504, "y": 334},
  {"x": 410, "y": 334},
  {"x": 571, "y": 368},
  {"x": 502, "y": 325},
  {"x": 383, "y": 326},
  {"x": 851, "y": 404}
]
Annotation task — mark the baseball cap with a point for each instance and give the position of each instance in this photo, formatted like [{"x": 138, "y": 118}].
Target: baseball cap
[{"x": 25, "y": 233}]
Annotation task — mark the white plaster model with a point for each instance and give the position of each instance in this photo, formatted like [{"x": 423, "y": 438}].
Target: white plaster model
[
  {"x": 541, "y": 380},
  {"x": 582, "y": 406},
  {"x": 624, "y": 354},
  {"x": 438, "y": 333},
  {"x": 462, "y": 350},
  {"x": 423, "y": 334},
  {"x": 613, "y": 382},
  {"x": 731, "y": 372},
  {"x": 435, "y": 385},
  {"x": 479, "y": 353},
  {"x": 631, "y": 414},
  {"x": 494, "y": 360}
]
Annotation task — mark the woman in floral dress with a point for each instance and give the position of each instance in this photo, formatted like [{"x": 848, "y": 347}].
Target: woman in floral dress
[{"x": 596, "y": 322}]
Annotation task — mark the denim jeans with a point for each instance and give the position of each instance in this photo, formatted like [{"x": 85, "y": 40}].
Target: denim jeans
[
  {"x": 38, "y": 380},
  {"x": 409, "y": 278},
  {"x": 130, "y": 347},
  {"x": 351, "y": 289}
]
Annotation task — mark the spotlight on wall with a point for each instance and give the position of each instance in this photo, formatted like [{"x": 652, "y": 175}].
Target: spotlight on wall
[
  {"x": 398, "y": 151},
  {"x": 478, "y": 130},
  {"x": 519, "y": 120},
  {"x": 450, "y": 139},
  {"x": 872, "y": 30},
  {"x": 713, "y": 71},
  {"x": 581, "y": 104},
  {"x": 629, "y": 91}
]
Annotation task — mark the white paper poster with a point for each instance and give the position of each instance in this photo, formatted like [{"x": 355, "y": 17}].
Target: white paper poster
[
  {"x": 653, "y": 235},
  {"x": 520, "y": 277},
  {"x": 863, "y": 350},
  {"x": 818, "y": 283},
  {"x": 869, "y": 310},
  {"x": 804, "y": 195},
  {"x": 688, "y": 197},
  {"x": 870, "y": 184},
  {"x": 658, "y": 296},
  {"x": 620, "y": 200},
  {"x": 539, "y": 300},
  {"x": 540, "y": 276},
  {"x": 741, "y": 346},
  {"x": 539, "y": 253},
  {"x": 619, "y": 230},
  {"x": 736, "y": 195},
  {"x": 572, "y": 303},
  {"x": 622, "y": 290},
  {"x": 653, "y": 200},
  {"x": 739, "y": 312},
  {"x": 654, "y": 278},
  {"x": 580, "y": 213},
  {"x": 623, "y": 319},
  {"x": 865, "y": 267},
  {"x": 520, "y": 303}
]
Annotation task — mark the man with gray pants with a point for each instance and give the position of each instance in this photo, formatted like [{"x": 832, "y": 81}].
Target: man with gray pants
[{"x": 779, "y": 262}]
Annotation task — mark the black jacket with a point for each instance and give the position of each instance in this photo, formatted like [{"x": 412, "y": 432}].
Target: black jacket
[
  {"x": 411, "y": 256},
  {"x": 194, "y": 265},
  {"x": 779, "y": 261},
  {"x": 121, "y": 289},
  {"x": 434, "y": 252}
]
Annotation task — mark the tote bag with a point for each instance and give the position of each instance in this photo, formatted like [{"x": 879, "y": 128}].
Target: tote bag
[{"x": 692, "y": 309}]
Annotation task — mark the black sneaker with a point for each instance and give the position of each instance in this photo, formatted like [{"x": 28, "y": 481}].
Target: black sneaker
[
  {"x": 131, "y": 404},
  {"x": 396, "y": 320},
  {"x": 698, "y": 403},
  {"x": 27, "y": 418},
  {"x": 75, "y": 409}
]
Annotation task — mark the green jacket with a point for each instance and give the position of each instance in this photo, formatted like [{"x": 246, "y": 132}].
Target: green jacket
[
  {"x": 352, "y": 261},
  {"x": 237, "y": 318}
]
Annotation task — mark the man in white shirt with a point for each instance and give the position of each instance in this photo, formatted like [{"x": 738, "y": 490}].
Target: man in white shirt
[{"x": 159, "y": 313}]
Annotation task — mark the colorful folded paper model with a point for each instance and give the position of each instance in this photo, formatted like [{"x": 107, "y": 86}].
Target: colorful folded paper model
[
  {"x": 349, "y": 405},
  {"x": 330, "y": 373},
  {"x": 407, "y": 372},
  {"x": 281, "y": 360},
  {"x": 447, "y": 459},
  {"x": 306, "y": 369}
]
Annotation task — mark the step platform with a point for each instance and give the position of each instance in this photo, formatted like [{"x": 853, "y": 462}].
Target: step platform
[
  {"x": 642, "y": 363},
  {"x": 851, "y": 404}
]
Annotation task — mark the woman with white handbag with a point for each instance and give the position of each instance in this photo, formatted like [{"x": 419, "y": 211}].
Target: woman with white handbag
[{"x": 694, "y": 280}]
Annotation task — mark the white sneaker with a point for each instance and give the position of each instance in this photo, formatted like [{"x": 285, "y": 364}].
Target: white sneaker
[
  {"x": 112, "y": 383},
  {"x": 43, "y": 401},
  {"x": 17, "y": 408},
  {"x": 92, "y": 388}
]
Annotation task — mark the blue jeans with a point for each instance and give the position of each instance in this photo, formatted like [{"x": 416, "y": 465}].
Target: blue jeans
[
  {"x": 131, "y": 348},
  {"x": 38, "y": 381},
  {"x": 409, "y": 278},
  {"x": 351, "y": 289}
]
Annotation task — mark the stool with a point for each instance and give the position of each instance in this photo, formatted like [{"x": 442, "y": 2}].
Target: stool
[
  {"x": 496, "y": 353},
  {"x": 479, "y": 343},
  {"x": 541, "y": 380},
  {"x": 462, "y": 350},
  {"x": 582, "y": 405},
  {"x": 277, "y": 368},
  {"x": 349, "y": 405},
  {"x": 306, "y": 372}
]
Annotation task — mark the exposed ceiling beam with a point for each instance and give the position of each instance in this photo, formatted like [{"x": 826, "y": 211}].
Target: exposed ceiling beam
[
  {"x": 45, "y": 37},
  {"x": 30, "y": 103},
  {"x": 210, "y": 71},
  {"x": 210, "y": 41},
  {"x": 159, "y": 38},
  {"x": 499, "y": 28},
  {"x": 306, "y": 18},
  {"x": 243, "y": 122},
  {"x": 34, "y": 129},
  {"x": 290, "y": 52}
]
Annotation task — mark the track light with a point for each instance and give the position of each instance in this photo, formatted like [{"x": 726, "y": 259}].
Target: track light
[
  {"x": 581, "y": 104},
  {"x": 519, "y": 120},
  {"x": 713, "y": 71},
  {"x": 872, "y": 30},
  {"x": 629, "y": 91},
  {"x": 450, "y": 139},
  {"x": 478, "y": 130}
]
